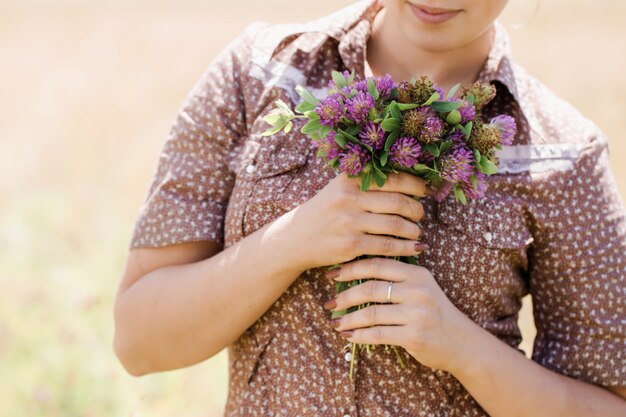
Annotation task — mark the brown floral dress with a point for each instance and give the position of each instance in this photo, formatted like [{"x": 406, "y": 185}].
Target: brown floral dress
[{"x": 552, "y": 224}]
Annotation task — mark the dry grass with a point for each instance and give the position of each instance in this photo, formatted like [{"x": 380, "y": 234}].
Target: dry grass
[{"x": 87, "y": 94}]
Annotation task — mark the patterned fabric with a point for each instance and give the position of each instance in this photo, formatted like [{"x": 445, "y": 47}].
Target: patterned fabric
[{"x": 552, "y": 225}]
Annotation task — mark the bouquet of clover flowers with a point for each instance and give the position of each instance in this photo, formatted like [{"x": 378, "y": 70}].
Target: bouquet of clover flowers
[{"x": 370, "y": 128}]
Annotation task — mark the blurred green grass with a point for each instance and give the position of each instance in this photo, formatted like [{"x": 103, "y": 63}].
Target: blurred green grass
[{"x": 87, "y": 94}]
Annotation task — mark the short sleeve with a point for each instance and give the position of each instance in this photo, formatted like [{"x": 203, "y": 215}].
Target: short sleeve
[
  {"x": 189, "y": 193},
  {"x": 578, "y": 266}
]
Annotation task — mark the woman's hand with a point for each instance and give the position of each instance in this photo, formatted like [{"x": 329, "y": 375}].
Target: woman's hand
[
  {"x": 342, "y": 222},
  {"x": 420, "y": 317}
]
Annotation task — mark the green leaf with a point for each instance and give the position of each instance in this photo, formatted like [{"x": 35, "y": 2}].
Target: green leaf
[
  {"x": 306, "y": 96},
  {"x": 459, "y": 194},
  {"x": 391, "y": 139},
  {"x": 272, "y": 118},
  {"x": 284, "y": 107},
  {"x": 324, "y": 130},
  {"x": 380, "y": 181},
  {"x": 339, "y": 80},
  {"x": 304, "y": 107},
  {"x": 421, "y": 168},
  {"x": 351, "y": 77},
  {"x": 355, "y": 140},
  {"x": 311, "y": 115},
  {"x": 407, "y": 106},
  {"x": 353, "y": 130},
  {"x": 444, "y": 146},
  {"x": 395, "y": 110},
  {"x": 453, "y": 91},
  {"x": 474, "y": 182},
  {"x": 486, "y": 166},
  {"x": 454, "y": 117},
  {"x": 341, "y": 140},
  {"x": 433, "y": 149},
  {"x": 379, "y": 171},
  {"x": 470, "y": 98},
  {"x": 468, "y": 129},
  {"x": 288, "y": 126},
  {"x": 371, "y": 88},
  {"x": 383, "y": 158},
  {"x": 272, "y": 130},
  {"x": 366, "y": 180},
  {"x": 385, "y": 112},
  {"x": 313, "y": 126},
  {"x": 445, "y": 106},
  {"x": 390, "y": 124},
  {"x": 477, "y": 155},
  {"x": 432, "y": 99}
]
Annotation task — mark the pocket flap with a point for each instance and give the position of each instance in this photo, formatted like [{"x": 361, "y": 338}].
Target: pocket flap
[
  {"x": 494, "y": 223},
  {"x": 266, "y": 156}
]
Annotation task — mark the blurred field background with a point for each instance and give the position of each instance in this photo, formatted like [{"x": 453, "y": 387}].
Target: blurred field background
[{"x": 88, "y": 90}]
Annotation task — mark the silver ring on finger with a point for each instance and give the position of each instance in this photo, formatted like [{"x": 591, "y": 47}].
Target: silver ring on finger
[{"x": 389, "y": 292}]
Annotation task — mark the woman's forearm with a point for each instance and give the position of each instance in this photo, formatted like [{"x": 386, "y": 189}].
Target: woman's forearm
[
  {"x": 508, "y": 384},
  {"x": 179, "y": 315}
]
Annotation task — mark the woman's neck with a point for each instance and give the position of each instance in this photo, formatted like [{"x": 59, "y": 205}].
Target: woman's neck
[{"x": 389, "y": 51}]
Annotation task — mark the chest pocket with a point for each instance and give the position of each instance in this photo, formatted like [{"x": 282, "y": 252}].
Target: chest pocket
[
  {"x": 489, "y": 222},
  {"x": 268, "y": 166}
]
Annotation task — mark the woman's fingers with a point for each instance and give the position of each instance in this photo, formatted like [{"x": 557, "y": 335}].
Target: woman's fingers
[
  {"x": 389, "y": 224},
  {"x": 380, "y": 335},
  {"x": 405, "y": 183},
  {"x": 378, "y": 268},
  {"x": 387, "y": 246},
  {"x": 374, "y": 315},
  {"x": 382, "y": 268},
  {"x": 390, "y": 203}
]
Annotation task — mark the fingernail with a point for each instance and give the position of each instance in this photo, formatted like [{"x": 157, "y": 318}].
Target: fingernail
[
  {"x": 430, "y": 190},
  {"x": 345, "y": 333},
  {"x": 333, "y": 273},
  {"x": 421, "y": 234},
  {"x": 334, "y": 323},
  {"x": 420, "y": 247},
  {"x": 330, "y": 304}
]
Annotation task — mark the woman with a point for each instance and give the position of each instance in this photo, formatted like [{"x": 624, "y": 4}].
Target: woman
[{"x": 233, "y": 243}]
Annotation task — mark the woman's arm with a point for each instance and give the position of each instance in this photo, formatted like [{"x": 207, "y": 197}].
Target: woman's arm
[
  {"x": 437, "y": 334},
  {"x": 175, "y": 308},
  {"x": 508, "y": 384}
]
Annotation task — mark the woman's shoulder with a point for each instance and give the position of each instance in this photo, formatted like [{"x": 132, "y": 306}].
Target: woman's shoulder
[{"x": 552, "y": 119}]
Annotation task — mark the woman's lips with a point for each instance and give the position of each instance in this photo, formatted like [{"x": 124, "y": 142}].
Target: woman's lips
[{"x": 432, "y": 15}]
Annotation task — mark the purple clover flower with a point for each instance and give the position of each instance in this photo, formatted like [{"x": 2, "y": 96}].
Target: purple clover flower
[
  {"x": 481, "y": 185},
  {"x": 329, "y": 147},
  {"x": 331, "y": 84},
  {"x": 442, "y": 191},
  {"x": 422, "y": 123},
  {"x": 384, "y": 85},
  {"x": 405, "y": 151},
  {"x": 438, "y": 90},
  {"x": 456, "y": 165},
  {"x": 373, "y": 135},
  {"x": 467, "y": 110},
  {"x": 458, "y": 138},
  {"x": 329, "y": 110},
  {"x": 359, "y": 106},
  {"x": 433, "y": 127},
  {"x": 361, "y": 85},
  {"x": 353, "y": 159},
  {"x": 507, "y": 126}
]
